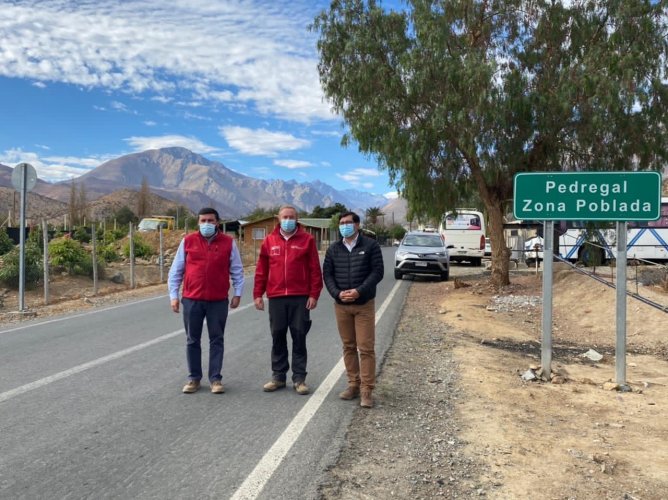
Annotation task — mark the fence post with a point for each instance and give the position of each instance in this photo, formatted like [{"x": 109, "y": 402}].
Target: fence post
[
  {"x": 45, "y": 240},
  {"x": 94, "y": 249},
  {"x": 161, "y": 259},
  {"x": 132, "y": 257}
]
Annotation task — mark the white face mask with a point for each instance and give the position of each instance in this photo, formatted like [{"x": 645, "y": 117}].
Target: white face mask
[{"x": 207, "y": 229}]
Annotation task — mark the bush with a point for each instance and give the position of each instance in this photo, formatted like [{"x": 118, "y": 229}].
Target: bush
[
  {"x": 108, "y": 253},
  {"x": 142, "y": 249},
  {"x": 111, "y": 235},
  {"x": 6, "y": 243},
  {"x": 9, "y": 273},
  {"x": 82, "y": 235},
  {"x": 86, "y": 267},
  {"x": 67, "y": 253}
]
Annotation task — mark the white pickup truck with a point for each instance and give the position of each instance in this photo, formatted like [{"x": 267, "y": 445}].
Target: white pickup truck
[{"x": 464, "y": 229}]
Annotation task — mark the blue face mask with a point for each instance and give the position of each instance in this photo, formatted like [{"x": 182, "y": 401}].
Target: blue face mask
[
  {"x": 347, "y": 230},
  {"x": 207, "y": 229},
  {"x": 288, "y": 225}
]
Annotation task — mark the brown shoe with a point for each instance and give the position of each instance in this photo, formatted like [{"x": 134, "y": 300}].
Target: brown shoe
[
  {"x": 351, "y": 392},
  {"x": 366, "y": 400},
  {"x": 301, "y": 388},
  {"x": 273, "y": 385},
  {"x": 217, "y": 387},
  {"x": 191, "y": 386}
]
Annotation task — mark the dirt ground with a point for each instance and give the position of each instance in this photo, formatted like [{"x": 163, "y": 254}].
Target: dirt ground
[{"x": 455, "y": 419}]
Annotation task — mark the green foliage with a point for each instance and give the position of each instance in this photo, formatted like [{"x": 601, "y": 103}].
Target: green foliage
[
  {"x": 112, "y": 235},
  {"x": 9, "y": 272},
  {"x": 109, "y": 253},
  {"x": 85, "y": 267},
  {"x": 6, "y": 243},
  {"x": 397, "y": 231},
  {"x": 125, "y": 215},
  {"x": 372, "y": 214},
  {"x": 68, "y": 254},
  {"x": 455, "y": 97},
  {"x": 80, "y": 234},
  {"x": 329, "y": 212},
  {"x": 142, "y": 249}
]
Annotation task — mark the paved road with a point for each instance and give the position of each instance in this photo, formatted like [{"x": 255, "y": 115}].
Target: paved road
[{"x": 90, "y": 406}]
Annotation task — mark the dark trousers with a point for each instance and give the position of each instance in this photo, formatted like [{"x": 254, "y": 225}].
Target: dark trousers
[
  {"x": 284, "y": 313},
  {"x": 215, "y": 313}
]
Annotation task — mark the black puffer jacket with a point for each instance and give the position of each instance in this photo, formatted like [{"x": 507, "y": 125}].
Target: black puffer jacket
[{"x": 361, "y": 269}]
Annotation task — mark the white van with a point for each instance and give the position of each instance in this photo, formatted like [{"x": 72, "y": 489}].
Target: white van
[{"x": 464, "y": 229}]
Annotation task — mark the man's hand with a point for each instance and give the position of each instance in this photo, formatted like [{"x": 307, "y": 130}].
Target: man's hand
[
  {"x": 259, "y": 304},
  {"x": 175, "y": 305},
  {"x": 235, "y": 302},
  {"x": 349, "y": 295},
  {"x": 311, "y": 303}
]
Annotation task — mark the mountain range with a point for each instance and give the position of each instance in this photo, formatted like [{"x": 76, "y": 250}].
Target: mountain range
[{"x": 191, "y": 180}]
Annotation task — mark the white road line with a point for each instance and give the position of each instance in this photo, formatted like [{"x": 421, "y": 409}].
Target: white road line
[
  {"x": 256, "y": 480},
  {"x": 87, "y": 313},
  {"x": 4, "y": 396}
]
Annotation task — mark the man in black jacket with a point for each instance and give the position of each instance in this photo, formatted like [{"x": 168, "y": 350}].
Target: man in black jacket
[{"x": 353, "y": 267}]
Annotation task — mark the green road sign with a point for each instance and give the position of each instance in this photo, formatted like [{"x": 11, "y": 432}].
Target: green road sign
[{"x": 613, "y": 196}]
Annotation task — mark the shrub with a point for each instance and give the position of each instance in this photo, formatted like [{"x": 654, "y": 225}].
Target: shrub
[
  {"x": 82, "y": 235},
  {"x": 85, "y": 267},
  {"x": 6, "y": 243},
  {"x": 67, "y": 253},
  {"x": 111, "y": 235},
  {"x": 142, "y": 249},
  {"x": 108, "y": 253},
  {"x": 9, "y": 273}
]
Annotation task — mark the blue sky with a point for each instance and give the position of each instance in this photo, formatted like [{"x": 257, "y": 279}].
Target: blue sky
[{"x": 82, "y": 82}]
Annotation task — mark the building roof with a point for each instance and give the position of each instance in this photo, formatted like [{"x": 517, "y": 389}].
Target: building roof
[{"x": 321, "y": 223}]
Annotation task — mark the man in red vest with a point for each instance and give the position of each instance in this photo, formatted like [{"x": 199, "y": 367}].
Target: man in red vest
[
  {"x": 288, "y": 271},
  {"x": 204, "y": 263}
]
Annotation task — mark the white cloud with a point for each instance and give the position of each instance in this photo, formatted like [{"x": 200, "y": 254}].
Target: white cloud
[
  {"x": 293, "y": 163},
  {"x": 261, "y": 142},
  {"x": 254, "y": 51},
  {"x": 119, "y": 106},
  {"x": 150, "y": 123},
  {"x": 169, "y": 141},
  {"x": 52, "y": 168},
  {"x": 40, "y": 85},
  {"x": 357, "y": 176},
  {"x": 392, "y": 195},
  {"x": 326, "y": 133}
]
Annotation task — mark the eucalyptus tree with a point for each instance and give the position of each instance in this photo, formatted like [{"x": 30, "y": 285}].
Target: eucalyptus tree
[{"x": 453, "y": 97}]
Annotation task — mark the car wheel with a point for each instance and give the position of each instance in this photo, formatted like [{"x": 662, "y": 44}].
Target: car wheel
[
  {"x": 445, "y": 275},
  {"x": 398, "y": 275},
  {"x": 530, "y": 262}
]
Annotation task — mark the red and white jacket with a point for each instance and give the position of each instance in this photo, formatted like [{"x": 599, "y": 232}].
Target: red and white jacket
[{"x": 288, "y": 267}]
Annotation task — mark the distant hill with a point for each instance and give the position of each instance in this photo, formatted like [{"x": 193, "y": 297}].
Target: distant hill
[
  {"x": 395, "y": 211},
  {"x": 37, "y": 207},
  {"x": 194, "y": 181}
]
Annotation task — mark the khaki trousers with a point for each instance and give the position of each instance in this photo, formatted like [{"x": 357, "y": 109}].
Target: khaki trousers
[{"x": 357, "y": 328}]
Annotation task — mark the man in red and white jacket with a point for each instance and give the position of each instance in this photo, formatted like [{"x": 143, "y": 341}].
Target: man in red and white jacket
[{"x": 288, "y": 271}]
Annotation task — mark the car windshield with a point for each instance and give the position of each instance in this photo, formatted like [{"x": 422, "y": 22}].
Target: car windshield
[
  {"x": 420, "y": 240},
  {"x": 149, "y": 225}
]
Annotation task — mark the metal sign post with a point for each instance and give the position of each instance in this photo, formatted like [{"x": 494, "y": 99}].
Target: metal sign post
[
  {"x": 546, "y": 340},
  {"x": 620, "y": 343},
  {"x": 24, "y": 178},
  {"x": 607, "y": 196}
]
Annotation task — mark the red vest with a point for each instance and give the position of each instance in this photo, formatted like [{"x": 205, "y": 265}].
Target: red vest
[{"x": 207, "y": 271}]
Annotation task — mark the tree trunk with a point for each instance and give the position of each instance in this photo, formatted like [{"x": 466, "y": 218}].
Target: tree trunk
[{"x": 500, "y": 252}]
